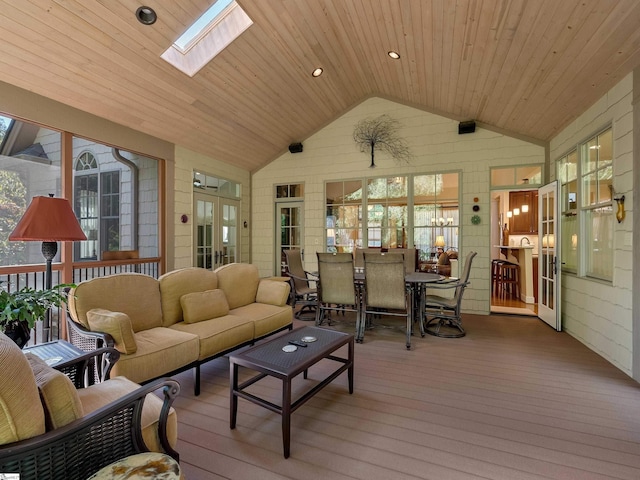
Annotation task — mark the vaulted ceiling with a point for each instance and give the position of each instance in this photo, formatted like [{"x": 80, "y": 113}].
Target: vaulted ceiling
[{"x": 527, "y": 67}]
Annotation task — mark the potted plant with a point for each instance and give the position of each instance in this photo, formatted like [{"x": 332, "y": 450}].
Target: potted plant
[{"x": 20, "y": 310}]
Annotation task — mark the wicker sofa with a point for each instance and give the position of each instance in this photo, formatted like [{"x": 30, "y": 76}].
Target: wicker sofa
[
  {"x": 179, "y": 321},
  {"x": 50, "y": 429}
]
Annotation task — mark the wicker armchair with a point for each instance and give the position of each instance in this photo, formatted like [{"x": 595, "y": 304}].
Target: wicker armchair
[{"x": 82, "y": 446}]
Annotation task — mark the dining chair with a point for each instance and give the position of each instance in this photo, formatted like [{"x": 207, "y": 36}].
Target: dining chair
[
  {"x": 303, "y": 286},
  {"x": 385, "y": 290},
  {"x": 337, "y": 290},
  {"x": 442, "y": 313}
]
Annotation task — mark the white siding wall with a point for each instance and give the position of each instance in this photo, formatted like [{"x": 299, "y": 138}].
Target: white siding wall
[
  {"x": 331, "y": 154},
  {"x": 599, "y": 314}
]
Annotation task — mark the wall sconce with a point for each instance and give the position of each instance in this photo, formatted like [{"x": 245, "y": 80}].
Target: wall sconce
[
  {"x": 525, "y": 208},
  {"x": 620, "y": 212}
]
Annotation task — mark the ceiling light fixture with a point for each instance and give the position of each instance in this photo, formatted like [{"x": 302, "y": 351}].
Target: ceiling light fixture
[
  {"x": 394, "y": 55},
  {"x": 317, "y": 72},
  {"x": 146, "y": 15}
]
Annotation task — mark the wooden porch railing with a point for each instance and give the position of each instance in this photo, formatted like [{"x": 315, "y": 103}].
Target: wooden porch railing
[{"x": 19, "y": 276}]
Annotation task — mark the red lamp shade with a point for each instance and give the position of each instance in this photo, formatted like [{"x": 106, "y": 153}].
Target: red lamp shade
[{"x": 48, "y": 219}]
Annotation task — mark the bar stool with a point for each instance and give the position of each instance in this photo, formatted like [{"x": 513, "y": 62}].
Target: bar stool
[
  {"x": 509, "y": 279},
  {"x": 496, "y": 271}
]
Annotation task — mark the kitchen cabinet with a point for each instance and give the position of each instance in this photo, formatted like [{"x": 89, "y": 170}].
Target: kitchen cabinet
[{"x": 527, "y": 222}]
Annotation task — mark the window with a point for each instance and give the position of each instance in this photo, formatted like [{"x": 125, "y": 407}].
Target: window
[
  {"x": 216, "y": 28},
  {"x": 568, "y": 180},
  {"x": 29, "y": 166},
  {"x": 435, "y": 213},
  {"x": 115, "y": 197},
  {"x": 387, "y": 220},
  {"x": 294, "y": 190},
  {"x": 596, "y": 184},
  {"x": 379, "y": 215},
  {"x": 586, "y": 181},
  {"x": 344, "y": 216},
  {"x": 516, "y": 176}
]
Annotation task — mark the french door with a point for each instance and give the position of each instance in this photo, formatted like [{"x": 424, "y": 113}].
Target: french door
[
  {"x": 289, "y": 218},
  {"x": 549, "y": 260},
  {"x": 216, "y": 231}
]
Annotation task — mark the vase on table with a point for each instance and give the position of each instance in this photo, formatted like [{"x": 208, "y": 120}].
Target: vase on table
[{"x": 505, "y": 235}]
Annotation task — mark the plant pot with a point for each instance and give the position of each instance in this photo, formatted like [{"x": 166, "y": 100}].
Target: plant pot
[{"x": 18, "y": 331}]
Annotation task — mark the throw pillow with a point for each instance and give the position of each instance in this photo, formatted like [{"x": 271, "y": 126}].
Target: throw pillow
[
  {"x": 116, "y": 324},
  {"x": 443, "y": 259},
  {"x": 59, "y": 397},
  {"x": 199, "y": 306}
]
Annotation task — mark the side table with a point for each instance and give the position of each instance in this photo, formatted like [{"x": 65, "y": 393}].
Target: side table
[
  {"x": 64, "y": 356},
  {"x": 55, "y": 352}
]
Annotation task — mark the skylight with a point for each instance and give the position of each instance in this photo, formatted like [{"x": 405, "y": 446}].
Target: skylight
[{"x": 216, "y": 28}]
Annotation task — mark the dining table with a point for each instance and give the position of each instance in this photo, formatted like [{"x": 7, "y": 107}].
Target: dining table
[{"x": 416, "y": 283}]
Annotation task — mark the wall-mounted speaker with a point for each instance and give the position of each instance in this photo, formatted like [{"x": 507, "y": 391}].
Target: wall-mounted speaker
[
  {"x": 295, "y": 147},
  {"x": 466, "y": 127}
]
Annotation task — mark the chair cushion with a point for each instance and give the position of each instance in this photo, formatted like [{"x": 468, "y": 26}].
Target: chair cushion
[
  {"x": 219, "y": 334},
  {"x": 21, "y": 412},
  {"x": 101, "y": 394},
  {"x": 160, "y": 351},
  {"x": 239, "y": 282},
  {"x": 135, "y": 294},
  {"x": 273, "y": 292},
  {"x": 175, "y": 284},
  {"x": 57, "y": 392},
  {"x": 116, "y": 324},
  {"x": 199, "y": 306}
]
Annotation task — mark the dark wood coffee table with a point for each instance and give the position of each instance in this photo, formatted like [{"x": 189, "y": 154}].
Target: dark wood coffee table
[{"x": 270, "y": 360}]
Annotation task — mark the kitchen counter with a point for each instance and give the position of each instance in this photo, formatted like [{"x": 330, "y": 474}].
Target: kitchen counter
[{"x": 523, "y": 256}]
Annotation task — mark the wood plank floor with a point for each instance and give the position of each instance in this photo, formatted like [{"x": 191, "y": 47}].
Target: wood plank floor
[{"x": 512, "y": 400}]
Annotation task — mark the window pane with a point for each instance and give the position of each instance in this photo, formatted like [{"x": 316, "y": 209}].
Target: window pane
[
  {"x": 599, "y": 242},
  {"x": 589, "y": 189},
  {"x": 29, "y": 167},
  {"x": 104, "y": 187}
]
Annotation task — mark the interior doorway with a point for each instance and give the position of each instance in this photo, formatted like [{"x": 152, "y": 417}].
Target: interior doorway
[{"x": 514, "y": 265}]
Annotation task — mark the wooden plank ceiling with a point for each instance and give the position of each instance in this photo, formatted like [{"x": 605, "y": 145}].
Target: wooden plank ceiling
[{"x": 526, "y": 67}]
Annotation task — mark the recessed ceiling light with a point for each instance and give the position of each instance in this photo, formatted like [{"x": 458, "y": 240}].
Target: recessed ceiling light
[
  {"x": 394, "y": 55},
  {"x": 146, "y": 15},
  {"x": 317, "y": 72}
]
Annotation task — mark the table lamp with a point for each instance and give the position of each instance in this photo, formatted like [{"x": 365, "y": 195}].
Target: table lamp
[
  {"x": 440, "y": 243},
  {"x": 48, "y": 220}
]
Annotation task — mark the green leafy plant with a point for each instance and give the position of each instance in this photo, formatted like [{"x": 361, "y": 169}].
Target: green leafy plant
[{"x": 29, "y": 305}]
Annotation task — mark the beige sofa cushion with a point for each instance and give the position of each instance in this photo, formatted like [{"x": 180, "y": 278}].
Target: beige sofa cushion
[
  {"x": 239, "y": 282},
  {"x": 135, "y": 294},
  {"x": 21, "y": 413},
  {"x": 273, "y": 292},
  {"x": 266, "y": 318},
  {"x": 116, "y": 324},
  {"x": 199, "y": 306},
  {"x": 57, "y": 392},
  {"x": 101, "y": 394},
  {"x": 219, "y": 334},
  {"x": 160, "y": 351},
  {"x": 175, "y": 284}
]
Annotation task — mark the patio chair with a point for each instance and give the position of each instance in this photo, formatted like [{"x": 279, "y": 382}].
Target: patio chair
[
  {"x": 303, "y": 286},
  {"x": 442, "y": 313},
  {"x": 53, "y": 430},
  {"x": 385, "y": 290},
  {"x": 336, "y": 286}
]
